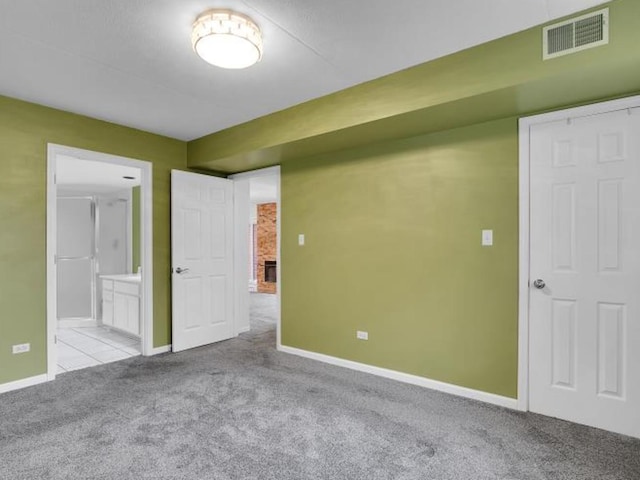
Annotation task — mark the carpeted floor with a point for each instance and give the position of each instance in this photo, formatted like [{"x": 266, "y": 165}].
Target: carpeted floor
[{"x": 241, "y": 410}]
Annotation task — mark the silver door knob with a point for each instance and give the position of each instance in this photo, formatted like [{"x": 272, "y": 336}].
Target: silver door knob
[
  {"x": 539, "y": 284},
  {"x": 181, "y": 270}
]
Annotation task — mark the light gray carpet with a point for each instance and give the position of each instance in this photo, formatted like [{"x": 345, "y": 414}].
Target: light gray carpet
[{"x": 241, "y": 410}]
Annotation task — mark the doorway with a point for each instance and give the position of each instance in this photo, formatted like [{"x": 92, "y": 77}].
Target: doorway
[
  {"x": 216, "y": 254},
  {"x": 263, "y": 247},
  {"x": 580, "y": 265},
  {"x": 98, "y": 259}
]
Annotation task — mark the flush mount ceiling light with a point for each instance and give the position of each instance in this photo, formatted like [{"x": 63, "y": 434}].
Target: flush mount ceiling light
[{"x": 227, "y": 39}]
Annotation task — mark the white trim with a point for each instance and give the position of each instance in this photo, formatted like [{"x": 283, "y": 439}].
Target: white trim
[
  {"x": 275, "y": 171},
  {"x": 146, "y": 242},
  {"x": 525, "y": 125},
  {"x": 491, "y": 398},
  {"x": 278, "y": 258},
  {"x": 129, "y": 193},
  {"x": 52, "y": 305},
  {"x": 584, "y": 111},
  {"x": 24, "y": 383},
  {"x": 159, "y": 350},
  {"x": 523, "y": 282},
  {"x": 241, "y": 237},
  {"x": 244, "y": 330}
]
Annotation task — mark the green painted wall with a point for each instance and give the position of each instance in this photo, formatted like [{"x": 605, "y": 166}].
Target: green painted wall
[
  {"x": 136, "y": 226},
  {"x": 393, "y": 247},
  {"x": 25, "y": 130},
  {"x": 498, "y": 79}
]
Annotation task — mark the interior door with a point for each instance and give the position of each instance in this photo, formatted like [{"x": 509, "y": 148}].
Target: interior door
[
  {"x": 585, "y": 267},
  {"x": 202, "y": 259}
]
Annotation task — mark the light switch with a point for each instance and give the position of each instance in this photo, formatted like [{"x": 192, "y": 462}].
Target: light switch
[
  {"x": 487, "y": 238},
  {"x": 301, "y": 239}
]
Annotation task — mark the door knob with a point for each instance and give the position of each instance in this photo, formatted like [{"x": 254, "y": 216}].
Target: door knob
[
  {"x": 539, "y": 284},
  {"x": 181, "y": 270}
]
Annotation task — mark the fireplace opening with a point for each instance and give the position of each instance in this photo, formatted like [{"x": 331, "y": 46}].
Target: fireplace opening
[{"x": 270, "y": 271}]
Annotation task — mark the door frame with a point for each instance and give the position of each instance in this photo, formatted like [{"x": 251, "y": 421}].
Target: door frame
[
  {"x": 525, "y": 125},
  {"x": 244, "y": 299},
  {"x": 146, "y": 243}
]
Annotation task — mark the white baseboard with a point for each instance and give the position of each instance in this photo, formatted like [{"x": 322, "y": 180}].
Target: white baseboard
[
  {"x": 499, "y": 400},
  {"x": 159, "y": 350},
  {"x": 244, "y": 330},
  {"x": 24, "y": 383}
]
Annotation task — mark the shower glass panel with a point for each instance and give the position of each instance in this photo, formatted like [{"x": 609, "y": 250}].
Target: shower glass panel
[
  {"x": 112, "y": 240},
  {"x": 76, "y": 257}
]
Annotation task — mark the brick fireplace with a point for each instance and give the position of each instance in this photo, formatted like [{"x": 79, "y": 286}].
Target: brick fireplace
[{"x": 267, "y": 240}]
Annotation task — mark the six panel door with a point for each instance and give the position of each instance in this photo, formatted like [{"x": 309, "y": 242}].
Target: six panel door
[{"x": 585, "y": 247}]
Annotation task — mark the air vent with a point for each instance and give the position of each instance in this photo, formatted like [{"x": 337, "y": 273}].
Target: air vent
[{"x": 587, "y": 31}]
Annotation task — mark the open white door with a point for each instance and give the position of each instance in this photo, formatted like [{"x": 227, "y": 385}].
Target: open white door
[
  {"x": 585, "y": 267},
  {"x": 202, "y": 259}
]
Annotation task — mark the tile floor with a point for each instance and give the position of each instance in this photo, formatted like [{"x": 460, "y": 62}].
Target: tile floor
[{"x": 90, "y": 346}]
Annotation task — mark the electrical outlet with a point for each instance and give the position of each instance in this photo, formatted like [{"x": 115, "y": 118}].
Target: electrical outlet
[
  {"x": 22, "y": 348},
  {"x": 362, "y": 335},
  {"x": 487, "y": 238},
  {"x": 301, "y": 239}
]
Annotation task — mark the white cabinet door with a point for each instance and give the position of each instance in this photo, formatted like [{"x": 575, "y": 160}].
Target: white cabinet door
[
  {"x": 133, "y": 315},
  {"x": 107, "y": 312},
  {"x": 107, "y": 303},
  {"x": 120, "y": 311},
  {"x": 585, "y": 246},
  {"x": 202, "y": 253}
]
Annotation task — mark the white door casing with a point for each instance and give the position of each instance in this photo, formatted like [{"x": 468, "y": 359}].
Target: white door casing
[
  {"x": 584, "y": 325},
  {"x": 146, "y": 242},
  {"x": 202, "y": 259}
]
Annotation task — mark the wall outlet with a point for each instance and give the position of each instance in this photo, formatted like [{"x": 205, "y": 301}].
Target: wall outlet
[
  {"x": 301, "y": 239},
  {"x": 362, "y": 335},
  {"x": 22, "y": 348}
]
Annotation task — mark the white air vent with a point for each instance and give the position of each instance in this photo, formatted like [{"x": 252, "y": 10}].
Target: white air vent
[{"x": 570, "y": 36}]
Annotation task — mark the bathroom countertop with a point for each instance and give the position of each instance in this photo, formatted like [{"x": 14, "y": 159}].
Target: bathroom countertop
[{"x": 123, "y": 277}]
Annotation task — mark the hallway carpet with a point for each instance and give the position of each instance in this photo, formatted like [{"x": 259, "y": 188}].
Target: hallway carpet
[{"x": 241, "y": 410}]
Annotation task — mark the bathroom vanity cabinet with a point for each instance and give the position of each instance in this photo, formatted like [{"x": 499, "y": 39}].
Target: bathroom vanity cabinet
[{"x": 121, "y": 302}]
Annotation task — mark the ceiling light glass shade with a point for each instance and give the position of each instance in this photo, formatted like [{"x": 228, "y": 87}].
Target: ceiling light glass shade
[{"x": 227, "y": 39}]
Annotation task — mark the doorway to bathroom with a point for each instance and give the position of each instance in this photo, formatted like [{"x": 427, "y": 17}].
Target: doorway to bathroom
[{"x": 98, "y": 259}]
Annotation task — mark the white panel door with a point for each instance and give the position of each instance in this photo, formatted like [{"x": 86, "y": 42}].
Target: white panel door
[
  {"x": 202, "y": 259},
  {"x": 585, "y": 251}
]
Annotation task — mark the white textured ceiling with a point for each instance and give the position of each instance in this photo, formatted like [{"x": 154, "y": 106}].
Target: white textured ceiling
[
  {"x": 73, "y": 174},
  {"x": 131, "y": 62}
]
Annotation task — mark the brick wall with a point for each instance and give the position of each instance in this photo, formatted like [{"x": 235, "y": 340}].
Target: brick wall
[{"x": 267, "y": 238}]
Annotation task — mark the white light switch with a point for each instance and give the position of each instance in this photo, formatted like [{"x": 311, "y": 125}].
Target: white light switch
[
  {"x": 301, "y": 239},
  {"x": 487, "y": 238}
]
